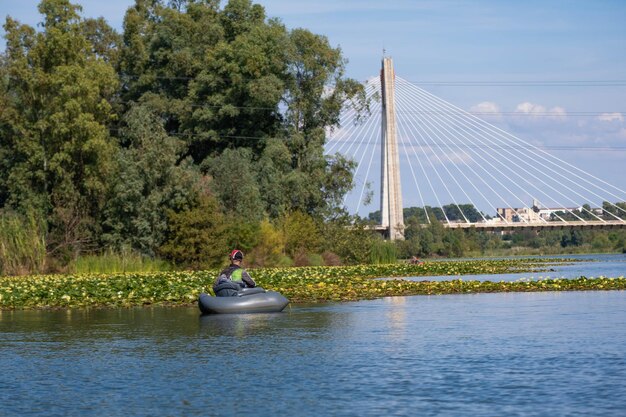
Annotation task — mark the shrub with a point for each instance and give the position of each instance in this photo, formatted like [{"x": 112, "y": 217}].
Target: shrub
[
  {"x": 331, "y": 259},
  {"x": 270, "y": 246},
  {"x": 315, "y": 259},
  {"x": 301, "y": 259}
]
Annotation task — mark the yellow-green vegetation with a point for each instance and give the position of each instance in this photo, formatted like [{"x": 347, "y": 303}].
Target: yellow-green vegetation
[
  {"x": 111, "y": 263},
  {"x": 301, "y": 284}
]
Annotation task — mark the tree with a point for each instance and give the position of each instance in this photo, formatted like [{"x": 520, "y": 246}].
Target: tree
[
  {"x": 274, "y": 167},
  {"x": 150, "y": 180},
  {"x": 57, "y": 96},
  {"x": 270, "y": 246},
  {"x": 301, "y": 234},
  {"x": 196, "y": 237},
  {"x": 347, "y": 237},
  {"x": 235, "y": 184}
]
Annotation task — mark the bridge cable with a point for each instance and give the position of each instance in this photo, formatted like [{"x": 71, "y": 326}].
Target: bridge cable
[
  {"x": 348, "y": 116},
  {"x": 399, "y": 121},
  {"x": 593, "y": 214},
  {"x": 453, "y": 178},
  {"x": 403, "y": 101},
  {"x": 370, "y": 130},
  {"x": 490, "y": 187},
  {"x": 351, "y": 143},
  {"x": 517, "y": 174},
  {"x": 375, "y": 132},
  {"x": 408, "y": 159},
  {"x": 438, "y": 132},
  {"x": 569, "y": 198},
  {"x": 483, "y": 168},
  {"x": 507, "y": 137}
]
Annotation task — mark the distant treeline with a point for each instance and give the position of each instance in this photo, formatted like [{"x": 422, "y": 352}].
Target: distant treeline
[
  {"x": 424, "y": 238},
  {"x": 452, "y": 212},
  {"x": 469, "y": 213}
]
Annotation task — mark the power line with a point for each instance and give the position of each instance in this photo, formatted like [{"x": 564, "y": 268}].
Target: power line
[
  {"x": 530, "y": 83},
  {"x": 376, "y": 142},
  {"x": 463, "y": 83},
  {"x": 486, "y": 113},
  {"x": 516, "y": 113}
]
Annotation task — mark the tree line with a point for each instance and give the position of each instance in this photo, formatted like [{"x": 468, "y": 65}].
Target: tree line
[{"x": 196, "y": 129}]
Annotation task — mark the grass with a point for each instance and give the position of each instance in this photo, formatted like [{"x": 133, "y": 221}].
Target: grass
[
  {"x": 112, "y": 263},
  {"x": 22, "y": 244}
]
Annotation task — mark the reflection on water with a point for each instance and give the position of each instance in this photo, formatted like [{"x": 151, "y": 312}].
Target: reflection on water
[
  {"x": 483, "y": 354},
  {"x": 396, "y": 316}
]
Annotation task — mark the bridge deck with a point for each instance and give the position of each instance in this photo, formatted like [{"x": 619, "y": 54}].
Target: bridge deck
[
  {"x": 612, "y": 224},
  {"x": 496, "y": 227}
]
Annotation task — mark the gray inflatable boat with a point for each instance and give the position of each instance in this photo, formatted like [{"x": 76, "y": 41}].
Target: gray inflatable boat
[{"x": 248, "y": 300}]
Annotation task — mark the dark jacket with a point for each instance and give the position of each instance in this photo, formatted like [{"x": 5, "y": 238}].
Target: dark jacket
[{"x": 231, "y": 280}]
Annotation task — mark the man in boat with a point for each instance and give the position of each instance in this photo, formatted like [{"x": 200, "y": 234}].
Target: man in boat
[{"x": 233, "y": 278}]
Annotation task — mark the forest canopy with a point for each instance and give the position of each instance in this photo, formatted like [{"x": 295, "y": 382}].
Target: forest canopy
[{"x": 109, "y": 138}]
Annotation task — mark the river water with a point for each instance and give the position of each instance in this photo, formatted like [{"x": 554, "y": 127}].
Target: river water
[
  {"x": 592, "y": 266},
  {"x": 526, "y": 354}
]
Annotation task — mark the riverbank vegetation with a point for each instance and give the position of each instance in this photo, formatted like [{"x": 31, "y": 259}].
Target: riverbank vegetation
[
  {"x": 175, "y": 139},
  {"x": 299, "y": 284}
]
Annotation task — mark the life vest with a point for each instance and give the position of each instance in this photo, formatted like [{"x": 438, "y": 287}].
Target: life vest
[{"x": 224, "y": 285}]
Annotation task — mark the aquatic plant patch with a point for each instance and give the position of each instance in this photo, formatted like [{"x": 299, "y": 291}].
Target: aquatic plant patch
[{"x": 304, "y": 284}]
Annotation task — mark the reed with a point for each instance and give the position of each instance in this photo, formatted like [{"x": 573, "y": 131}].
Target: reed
[
  {"x": 383, "y": 252},
  {"x": 22, "y": 244},
  {"x": 115, "y": 262}
]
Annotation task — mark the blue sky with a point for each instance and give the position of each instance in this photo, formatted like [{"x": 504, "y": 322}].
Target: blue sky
[{"x": 478, "y": 41}]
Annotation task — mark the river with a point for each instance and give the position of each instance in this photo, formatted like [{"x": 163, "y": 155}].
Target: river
[
  {"x": 530, "y": 354},
  {"x": 592, "y": 266}
]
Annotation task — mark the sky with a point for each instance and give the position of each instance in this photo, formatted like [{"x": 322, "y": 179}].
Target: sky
[{"x": 560, "y": 63}]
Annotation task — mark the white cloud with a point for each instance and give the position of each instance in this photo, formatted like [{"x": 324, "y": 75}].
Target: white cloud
[
  {"x": 610, "y": 117},
  {"x": 485, "y": 107},
  {"x": 530, "y": 108},
  {"x": 537, "y": 110}
]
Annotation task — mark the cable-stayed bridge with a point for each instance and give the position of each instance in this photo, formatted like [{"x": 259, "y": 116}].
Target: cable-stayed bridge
[{"x": 414, "y": 146}]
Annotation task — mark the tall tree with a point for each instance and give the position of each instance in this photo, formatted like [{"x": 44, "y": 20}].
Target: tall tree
[
  {"x": 150, "y": 180},
  {"x": 58, "y": 91}
]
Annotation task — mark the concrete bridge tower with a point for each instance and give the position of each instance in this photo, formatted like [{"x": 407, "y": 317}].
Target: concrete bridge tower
[{"x": 390, "y": 189}]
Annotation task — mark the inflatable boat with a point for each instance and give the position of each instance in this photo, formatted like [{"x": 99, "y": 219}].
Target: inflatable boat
[{"x": 247, "y": 300}]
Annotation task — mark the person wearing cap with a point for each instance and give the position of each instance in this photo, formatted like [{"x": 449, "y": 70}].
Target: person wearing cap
[{"x": 233, "y": 278}]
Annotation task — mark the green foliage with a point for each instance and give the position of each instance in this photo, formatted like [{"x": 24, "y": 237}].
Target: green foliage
[
  {"x": 106, "y": 133},
  {"x": 270, "y": 246},
  {"x": 301, "y": 234},
  {"x": 196, "y": 237},
  {"x": 241, "y": 234},
  {"x": 235, "y": 184},
  {"x": 150, "y": 180},
  {"x": 349, "y": 239}
]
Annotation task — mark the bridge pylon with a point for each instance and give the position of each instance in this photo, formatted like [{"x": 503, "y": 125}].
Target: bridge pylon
[{"x": 392, "y": 217}]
